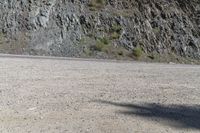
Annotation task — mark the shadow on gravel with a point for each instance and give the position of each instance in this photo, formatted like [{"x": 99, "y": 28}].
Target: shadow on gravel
[{"x": 179, "y": 116}]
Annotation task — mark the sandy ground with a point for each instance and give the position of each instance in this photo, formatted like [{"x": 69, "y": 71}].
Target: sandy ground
[{"x": 82, "y": 96}]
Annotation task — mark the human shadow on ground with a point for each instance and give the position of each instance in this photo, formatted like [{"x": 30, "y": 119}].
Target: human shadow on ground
[{"x": 179, "y": 116}]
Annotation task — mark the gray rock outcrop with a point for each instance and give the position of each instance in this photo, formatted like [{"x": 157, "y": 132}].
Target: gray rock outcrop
[{"x": 58, "y": 27}]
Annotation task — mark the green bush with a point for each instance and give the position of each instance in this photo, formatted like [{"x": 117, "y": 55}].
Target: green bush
[
  {"x": 156, "y": 30},
  {"x": 137, "y": 52},
  {"x": 98, "y": 46},
  {"x": 116, "y": 28},
  {"x": 115, "y": 31},
  {"x": 105, "y": 40},
  {"x": 87, "y": 52},
  {"x": 101, "y": 44},
  {"x": 1, "y": 38},
  {"x": 96, "y": 4},
  {"x": 115, "y": 35}
]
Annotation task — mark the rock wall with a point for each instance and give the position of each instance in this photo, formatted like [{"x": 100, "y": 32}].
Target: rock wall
[{"x": 73, "y": 27}]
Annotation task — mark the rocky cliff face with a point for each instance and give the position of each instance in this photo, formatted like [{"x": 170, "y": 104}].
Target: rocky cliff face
[{"x": 101, "y": 28}]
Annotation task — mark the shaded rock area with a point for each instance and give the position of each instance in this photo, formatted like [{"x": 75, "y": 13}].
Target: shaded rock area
[{"x": 101, "y": 28}]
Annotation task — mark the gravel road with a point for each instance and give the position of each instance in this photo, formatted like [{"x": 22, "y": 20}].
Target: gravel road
[{"x": 83, "y": 96}]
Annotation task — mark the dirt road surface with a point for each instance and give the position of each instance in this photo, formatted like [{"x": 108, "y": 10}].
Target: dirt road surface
[{"x": 83, "y": 96}]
